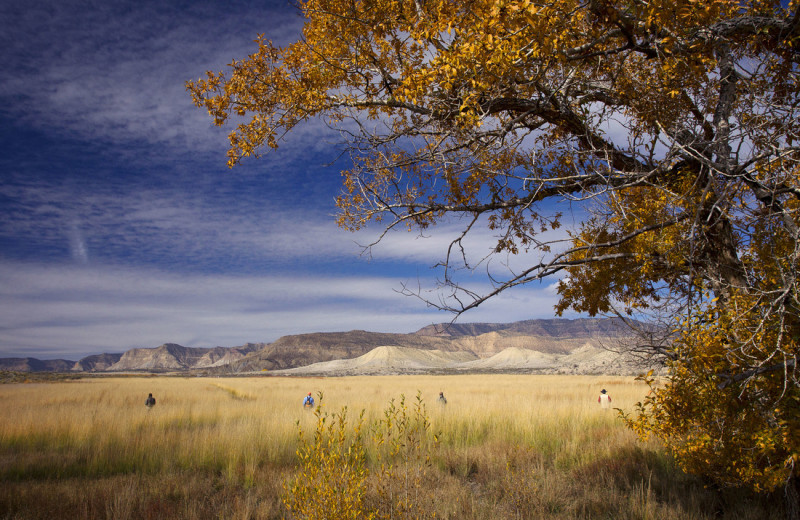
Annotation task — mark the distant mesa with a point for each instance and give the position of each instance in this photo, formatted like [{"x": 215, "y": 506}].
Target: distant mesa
[
  {"x": 96, "y": 363},
  {"x": 35, "y": 365},
  {"x": 393, "y": 360},
  {"x": 535, "y": 346},
  {"x": 174, "y": 357},
  {"x": 555, "y": 328}
]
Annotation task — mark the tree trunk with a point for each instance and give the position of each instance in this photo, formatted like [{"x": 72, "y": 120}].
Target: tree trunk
[{"x": 792, "y": 498}]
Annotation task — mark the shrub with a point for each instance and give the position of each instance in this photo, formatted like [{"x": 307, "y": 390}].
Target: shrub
[
  {"x": 332, "y": 479},
  {"x": 335, "y": 481}
]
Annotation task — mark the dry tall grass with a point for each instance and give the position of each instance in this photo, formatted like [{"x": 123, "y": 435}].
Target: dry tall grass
[{"x": 510, "y": 446}]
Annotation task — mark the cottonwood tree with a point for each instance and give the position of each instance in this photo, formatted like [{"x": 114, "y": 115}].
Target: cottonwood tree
[{"x": 672, "y": 126}]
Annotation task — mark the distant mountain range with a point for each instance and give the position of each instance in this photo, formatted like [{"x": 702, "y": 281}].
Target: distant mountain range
[{"x": 557, "y": 345}]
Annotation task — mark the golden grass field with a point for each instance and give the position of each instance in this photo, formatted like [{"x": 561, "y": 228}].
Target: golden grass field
[{"x": 510, "y": 446}]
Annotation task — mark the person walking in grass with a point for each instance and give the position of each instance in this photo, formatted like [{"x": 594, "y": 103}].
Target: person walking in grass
[
  {"x": 150, "y": 402},
  {"x": 442, "y": 399},
  {"x": 604, "y": 399},
  {"x": 308, "y": 402}
]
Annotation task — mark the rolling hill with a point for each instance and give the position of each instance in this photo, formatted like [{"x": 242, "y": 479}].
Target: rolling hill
[{"x": 544, "y": 346}]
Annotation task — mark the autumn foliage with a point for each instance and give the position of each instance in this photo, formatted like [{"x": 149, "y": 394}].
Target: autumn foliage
[
  {"x": 720, "y": 416},
  {"x": 672, "y": 126}
]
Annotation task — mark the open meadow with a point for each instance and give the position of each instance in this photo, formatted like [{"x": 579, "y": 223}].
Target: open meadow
[{"x": 504, "y": 446}]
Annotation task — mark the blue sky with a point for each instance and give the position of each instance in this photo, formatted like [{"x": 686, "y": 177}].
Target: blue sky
[{"x": 121, "y": 226}]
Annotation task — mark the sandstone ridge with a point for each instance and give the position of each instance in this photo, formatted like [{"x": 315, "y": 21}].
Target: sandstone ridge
[
  {"x": 557, "y": 346},
  {"x": 394, "y": 360}
]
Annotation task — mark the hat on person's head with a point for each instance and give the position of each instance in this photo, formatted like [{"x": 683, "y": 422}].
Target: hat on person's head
[
  {"x": 603, "y": 391},
  {"x": 310, "y": 392}
]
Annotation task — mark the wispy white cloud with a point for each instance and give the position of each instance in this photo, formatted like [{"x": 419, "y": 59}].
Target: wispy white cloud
[
  {"x": 476, "y": 249},
  {"x": 114, "y": 71},
  {"x": 78, "y": 244},
  {"x": 69, "y": 312},
  {"x": 168, "y": 224}
]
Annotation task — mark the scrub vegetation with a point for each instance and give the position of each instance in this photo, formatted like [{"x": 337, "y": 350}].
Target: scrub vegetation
[{"x": 504, "y": 446}]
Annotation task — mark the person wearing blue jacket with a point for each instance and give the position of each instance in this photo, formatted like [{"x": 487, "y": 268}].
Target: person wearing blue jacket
[{"x": 308, "y": 402}]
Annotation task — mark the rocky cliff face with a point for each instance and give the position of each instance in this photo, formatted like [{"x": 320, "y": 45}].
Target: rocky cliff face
[
  {"x": 555, "y": 328},
  {"x": 489, "y": 344},
  {"x": 96, "y": 363},
  {"x": 303, "y": 349},
  {"x": 388, "y": 360},
  {"x": 479, "y": 340},
  {"x": 171, "y": 357}
]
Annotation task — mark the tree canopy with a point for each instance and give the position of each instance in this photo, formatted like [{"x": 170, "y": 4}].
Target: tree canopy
[{"x": 673, "y": 124}]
